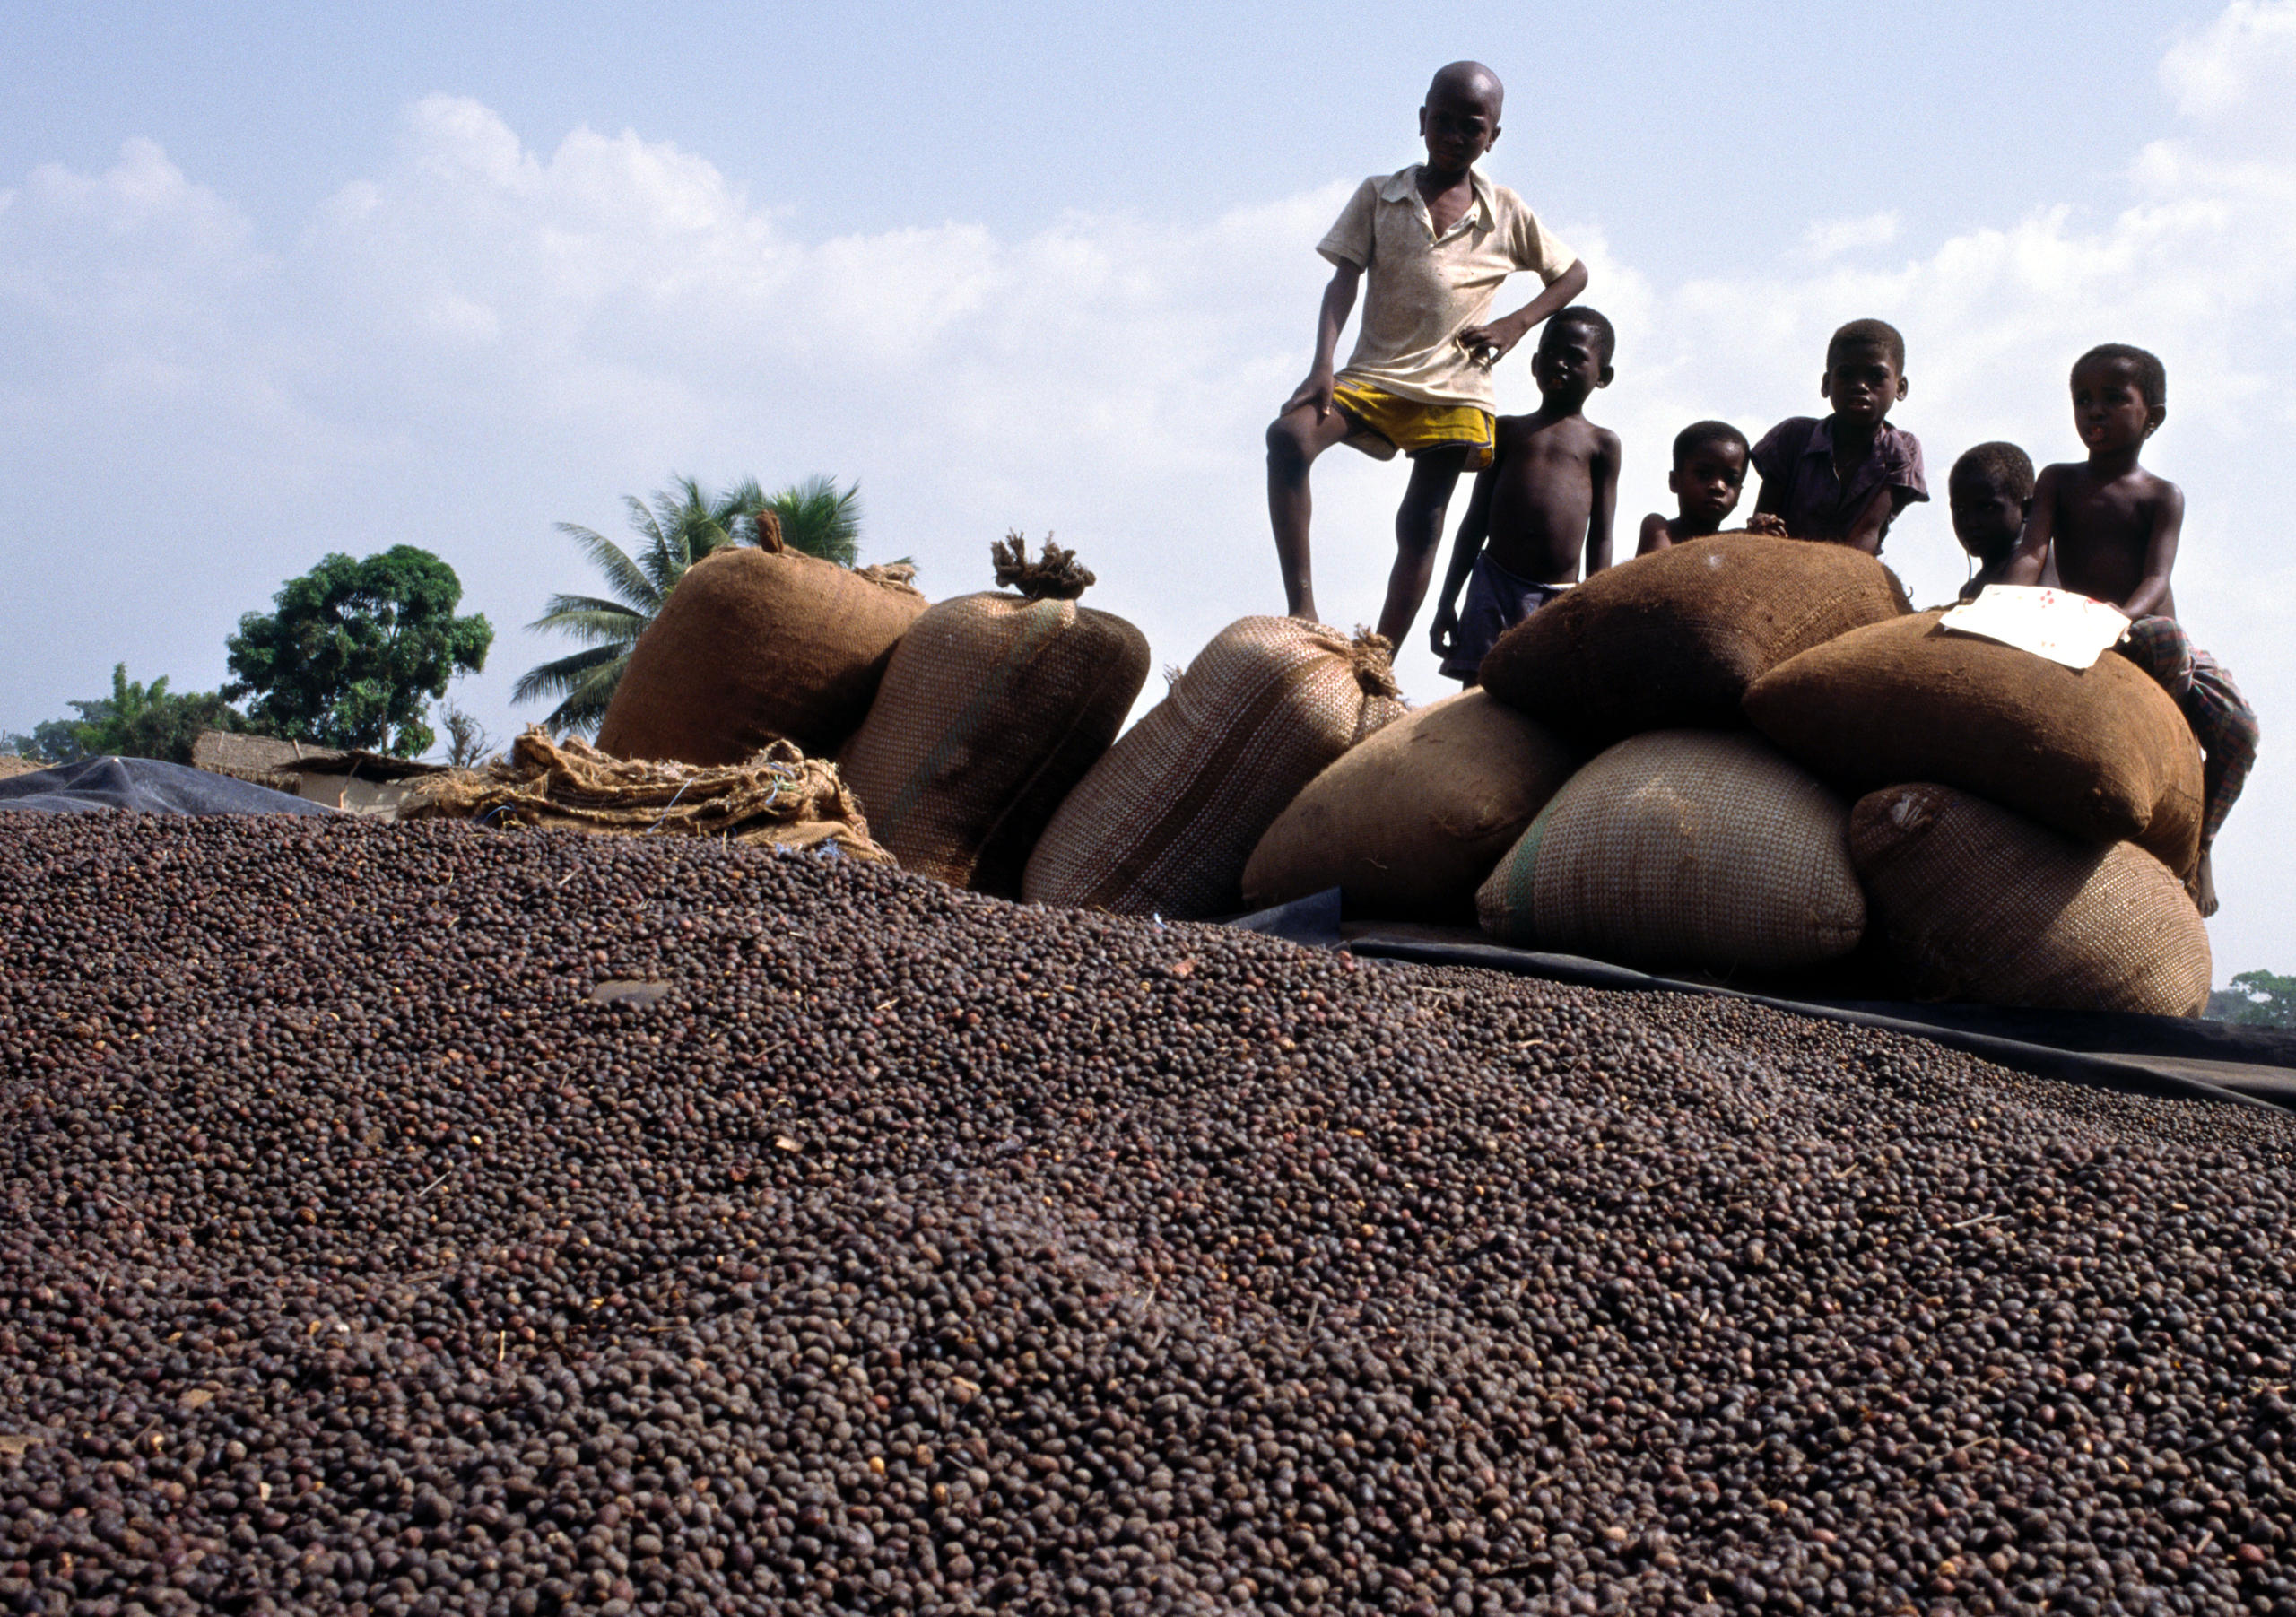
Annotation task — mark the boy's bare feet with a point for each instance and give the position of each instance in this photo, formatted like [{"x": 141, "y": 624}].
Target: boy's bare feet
[{"x": 2202, "y": 885}]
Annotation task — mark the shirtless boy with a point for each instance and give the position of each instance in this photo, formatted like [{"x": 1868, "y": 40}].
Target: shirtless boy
[
  {"x": 1546, "y": 499},
  {"x": 1435, "y": 241},
  {"x": 2113, "y": 527},
  {"x": 1709, "y": 475}
]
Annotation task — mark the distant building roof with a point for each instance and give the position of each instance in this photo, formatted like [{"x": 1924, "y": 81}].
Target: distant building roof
[{"x": 267, "y": 761}]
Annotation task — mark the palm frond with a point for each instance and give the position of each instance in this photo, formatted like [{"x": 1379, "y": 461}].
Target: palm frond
[
  {"x": 819, "y": 519},
  {"x": 567, "y": 674},
  {"x": 585, "y": 707},
  {"x": 624, "y": 577},
  {"x": 592, "y": 623}
]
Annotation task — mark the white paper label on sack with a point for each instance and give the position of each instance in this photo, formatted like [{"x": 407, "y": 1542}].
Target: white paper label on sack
[{"x": 2055, "y": 624}]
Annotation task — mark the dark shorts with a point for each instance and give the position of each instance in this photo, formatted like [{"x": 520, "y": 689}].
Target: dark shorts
[{"x": 1497, "y": 600}]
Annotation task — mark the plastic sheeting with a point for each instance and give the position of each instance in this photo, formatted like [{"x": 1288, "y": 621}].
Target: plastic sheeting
[
  {"x": 146, "y": 786},
  {"x": 2161, "y": 1056}
]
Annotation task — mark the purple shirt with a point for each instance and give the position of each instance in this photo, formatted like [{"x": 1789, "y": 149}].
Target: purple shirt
[{"x": 1796, "y": 460}]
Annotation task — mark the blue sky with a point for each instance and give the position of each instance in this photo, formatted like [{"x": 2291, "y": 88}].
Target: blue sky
[{"x": 276, "y": 281}]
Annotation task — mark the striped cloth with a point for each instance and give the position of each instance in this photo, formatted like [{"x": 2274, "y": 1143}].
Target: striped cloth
[{"x": 2221, "y": 718}]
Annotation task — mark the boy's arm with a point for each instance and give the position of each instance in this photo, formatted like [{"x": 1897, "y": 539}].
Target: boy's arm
[
  {"x": 1874, "y": 521},
  {"x": 1473, "y": 529},
  {"x": 2025, "y": 562},
  {"x": 1655, "y": 537},
  {"x": 1339, "y": 302},
  {"x": 1505, "y": 332},
  {"x": 1607, "y": 456},
  {"x": 2160, "y": 554}
]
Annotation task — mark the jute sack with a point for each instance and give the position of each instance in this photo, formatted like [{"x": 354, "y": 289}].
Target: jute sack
[
  {"x": 1409, "y": 823},
  {"x": 777, "y": 797},
  {"x": 1167, "y": 819},
  {"x": 1700, "y": 848},
  {"x": 1674, "y": 638},
  {"x": 1972, "y": 902},
  {"x": 755, "y": 645},
  {"x": 992, "y": 710},
  {"x": 2099, "y": 753}
]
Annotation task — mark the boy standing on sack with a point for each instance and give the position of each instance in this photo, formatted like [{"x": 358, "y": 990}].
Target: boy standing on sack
[{"x": 1435, "y": 241}]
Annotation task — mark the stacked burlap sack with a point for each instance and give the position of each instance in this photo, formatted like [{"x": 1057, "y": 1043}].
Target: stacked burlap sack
[
  {"x": 1166, "y": 821},
  {"x": 1747, "y": 755},
  {"x": 993, "y": 708},
  {"x": 757, "y": 645}
]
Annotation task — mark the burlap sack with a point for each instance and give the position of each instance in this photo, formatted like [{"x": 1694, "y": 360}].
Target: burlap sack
[
  {"x": 993, "y": 708},
  {"x": 755, "y": 645},
  {"x": 1684, "y": 848},
  {"x": 1972, "y": 902},
  {"x": 1166, "y": 821},
  {"x": 777, "y": 797},
  {"x": 1674, "y": 638},
  {"x": 2100, "y": 753},
  {"x": 1408, "y": 824}
]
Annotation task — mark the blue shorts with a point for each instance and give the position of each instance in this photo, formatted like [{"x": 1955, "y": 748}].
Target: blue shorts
[{"x": 1497, "y": 600}]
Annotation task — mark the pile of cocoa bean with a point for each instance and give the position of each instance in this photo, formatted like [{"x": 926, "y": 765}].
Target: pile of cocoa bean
[{"x": 428, "y": 1218}]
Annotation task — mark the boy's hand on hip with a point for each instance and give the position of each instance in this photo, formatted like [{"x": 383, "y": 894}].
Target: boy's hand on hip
[
  {"x": 1316, "y": 390},
  {"x": 1501, "y": 335}
]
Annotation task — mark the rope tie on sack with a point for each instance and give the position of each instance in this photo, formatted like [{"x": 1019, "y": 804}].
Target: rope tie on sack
[
  {"x": 1371, "y": 656},
  {"x": 1055, "y": 576}
]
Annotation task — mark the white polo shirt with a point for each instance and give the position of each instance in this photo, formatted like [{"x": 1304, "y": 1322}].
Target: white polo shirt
[{"x": 1421, "y": 290}]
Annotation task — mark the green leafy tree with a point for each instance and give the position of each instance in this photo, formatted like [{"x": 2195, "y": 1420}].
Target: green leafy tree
[
  {"x": 682, "y": 526},
  {"x": 2261, "y": 999},
  {"x": 135, "y": 721},
  {"x": 52, "y": 741},
  {"x": 354, "y": 648}
]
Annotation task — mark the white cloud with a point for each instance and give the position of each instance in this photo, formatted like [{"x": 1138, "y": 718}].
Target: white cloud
[
  {"x": 2242, "y": 62},
  {"x": 1831, "y": 237},
  {"x": 480, "y": 339}
]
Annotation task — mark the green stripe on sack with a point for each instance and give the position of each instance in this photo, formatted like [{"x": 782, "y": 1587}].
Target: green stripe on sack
[{"x": 1519, "y": 881}]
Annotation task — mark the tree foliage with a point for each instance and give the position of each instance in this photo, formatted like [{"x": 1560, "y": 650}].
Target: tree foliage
[
  {"x": 135, "y": 721},
  {"x": 354, "y": 648},
  {"x": 680, "y": 527},
  {"x": 2260, "y": 999}
]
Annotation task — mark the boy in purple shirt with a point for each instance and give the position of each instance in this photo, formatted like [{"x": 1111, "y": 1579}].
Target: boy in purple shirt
[{"x": 1843, "y": 478}]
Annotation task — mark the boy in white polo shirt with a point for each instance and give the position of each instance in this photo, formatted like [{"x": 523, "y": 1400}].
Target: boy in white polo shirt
[{"x": 1437, "y": 239}]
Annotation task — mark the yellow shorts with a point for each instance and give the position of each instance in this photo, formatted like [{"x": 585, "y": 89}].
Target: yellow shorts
[{"x": 1389, "y": 422}]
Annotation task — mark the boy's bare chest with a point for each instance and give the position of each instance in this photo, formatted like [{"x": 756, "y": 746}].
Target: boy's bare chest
[
  {"x": 1542, "y": 451},
  {"x": 2111, "y": 516}
]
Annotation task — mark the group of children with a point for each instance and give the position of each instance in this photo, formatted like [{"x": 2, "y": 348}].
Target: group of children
[{"x": 1428, "y": 248}]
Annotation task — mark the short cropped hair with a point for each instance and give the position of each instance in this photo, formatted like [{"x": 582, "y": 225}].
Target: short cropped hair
[
  {"x": 1578, "y": 314},
  {"x": 2151, "y": 376},
  {"x": 1868, "y": 334},
  {"x": 2003, "y": 464},
  {"x": 1699, "y": 434}
]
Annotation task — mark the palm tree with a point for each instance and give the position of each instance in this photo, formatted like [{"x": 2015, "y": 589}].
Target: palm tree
[
  {"x": 678, "y": 529},
  {"x": 817, "y": 519}
]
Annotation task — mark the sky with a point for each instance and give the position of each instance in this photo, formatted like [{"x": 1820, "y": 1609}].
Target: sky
[{"x": 277, "y": 281}]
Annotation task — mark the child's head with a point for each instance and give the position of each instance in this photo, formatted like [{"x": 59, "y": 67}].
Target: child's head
[
  {"x": 1460, "y": 120},
  {"x": 1573, "y": 357},
  {"x": 1989, "y": 490},
  {"x": 1709, "y": 473},
  {"x": 1864, "y": 371},
  {"x": 2120, "y": 397}
]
